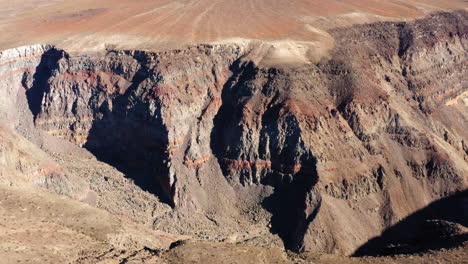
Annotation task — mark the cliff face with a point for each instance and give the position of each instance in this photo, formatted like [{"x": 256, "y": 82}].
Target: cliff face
[
  {"x": 21, "y": 162},
  {"x": 335, "y": 151}
]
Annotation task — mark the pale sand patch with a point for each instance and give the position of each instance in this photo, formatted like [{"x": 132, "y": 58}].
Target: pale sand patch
[{"x": 461, "y": 99}]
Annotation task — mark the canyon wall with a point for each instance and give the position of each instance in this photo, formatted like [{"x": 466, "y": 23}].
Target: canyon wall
[
  {"x": 21, "y": 161},
  {"x": 333, "y": 152}
]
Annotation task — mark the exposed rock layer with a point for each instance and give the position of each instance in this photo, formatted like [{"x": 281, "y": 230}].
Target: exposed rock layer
[{"x": 335, "y": 151}]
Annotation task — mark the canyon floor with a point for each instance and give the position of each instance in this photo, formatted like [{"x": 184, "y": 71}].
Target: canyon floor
[{"x": 41, "y": 227}]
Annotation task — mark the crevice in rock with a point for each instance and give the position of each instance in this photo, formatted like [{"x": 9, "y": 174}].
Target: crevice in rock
[
  {"x": 294, "y": 203},
  {"x": 241, "y": 72},
  {"x": 291, "y": 168},
  {"x": 406, "y": 38},
  {"x": 294, "y": 206}
]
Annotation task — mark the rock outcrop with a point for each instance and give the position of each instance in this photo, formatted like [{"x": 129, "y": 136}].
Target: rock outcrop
[{"x": 333, "y": 151}]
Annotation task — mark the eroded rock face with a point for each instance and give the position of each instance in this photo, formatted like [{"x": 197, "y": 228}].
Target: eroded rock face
[
  {"x": 23, "y": 163},
  {"x": 335, "y": 151}
]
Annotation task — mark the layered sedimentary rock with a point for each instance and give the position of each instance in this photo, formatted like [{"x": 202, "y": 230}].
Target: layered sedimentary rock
[
  {"x": 335, "y": 150},
  {"x": 21, "y": 162}
]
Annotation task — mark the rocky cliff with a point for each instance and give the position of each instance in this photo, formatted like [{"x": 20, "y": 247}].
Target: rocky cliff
[{"x": 326, "y": 154}]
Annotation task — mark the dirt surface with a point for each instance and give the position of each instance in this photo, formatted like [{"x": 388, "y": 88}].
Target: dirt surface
[
  {"x": 40, "y": 227},
  {"x": 43, "y": 228},
  {"x": 210, "y": 253},
  {"x": 87, "y": 24}
]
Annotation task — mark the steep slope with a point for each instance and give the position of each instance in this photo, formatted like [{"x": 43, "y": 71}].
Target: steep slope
[
  {"x": 24, "y": 164},
  {"x": 326, "y": 154}
]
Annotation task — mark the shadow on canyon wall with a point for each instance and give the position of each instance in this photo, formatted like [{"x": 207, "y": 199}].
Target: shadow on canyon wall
[
  {"x": 431, "y": 228},
  {"x": 293, "y": 204},
  {"x": 40, "y": 84},
  {"x": 125, "y": 136},
  {"x": 293, "y": 207},
  {"x": 128, "y": 138}
]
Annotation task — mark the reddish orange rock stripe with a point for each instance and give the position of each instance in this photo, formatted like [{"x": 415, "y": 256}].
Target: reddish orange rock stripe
[
  {"x": 81, "y": 195},
  {"x": 21, "y": 58},
  {"x": 83, "y": 72},
  {"x": 19, "y": 71},
  {"x": 263, "y": 164},
  {"x": 197, "y": 162},
  {"x": 41, "y": 172}
]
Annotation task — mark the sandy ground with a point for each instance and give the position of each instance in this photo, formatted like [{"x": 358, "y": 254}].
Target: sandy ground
[
  {"x": 205, "y": 252},
  {"x": 160, "y": 24},
  {"x": 40, "y": 227}
]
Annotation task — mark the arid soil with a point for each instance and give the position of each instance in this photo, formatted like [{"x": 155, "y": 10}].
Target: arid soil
[
  {"x": 41, "y": 227},
  {"x": 278, "y": 147},
  {"x": 149, "y": 24},
  {"x": 204, "y": 252}
]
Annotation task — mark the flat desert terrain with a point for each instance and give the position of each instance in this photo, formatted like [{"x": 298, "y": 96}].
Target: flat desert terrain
[{"x": 159, "y": 24}]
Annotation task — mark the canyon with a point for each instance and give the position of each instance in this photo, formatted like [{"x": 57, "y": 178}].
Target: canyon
[{"x": 355, "y": 144}]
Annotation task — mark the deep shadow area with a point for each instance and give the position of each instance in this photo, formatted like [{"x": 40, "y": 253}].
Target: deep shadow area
[
  {"x": 41, "y": 77},
  {"x": 293, "y": 204},
  {"x": 128, "y": 137},
  {"x": 140, "y": 159},
  {"x": 123, "y": 134},
  {"x": 293, "y": 207},
  {"x": 136, "y": 147},
  {"x": 430, "y": 228}
]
